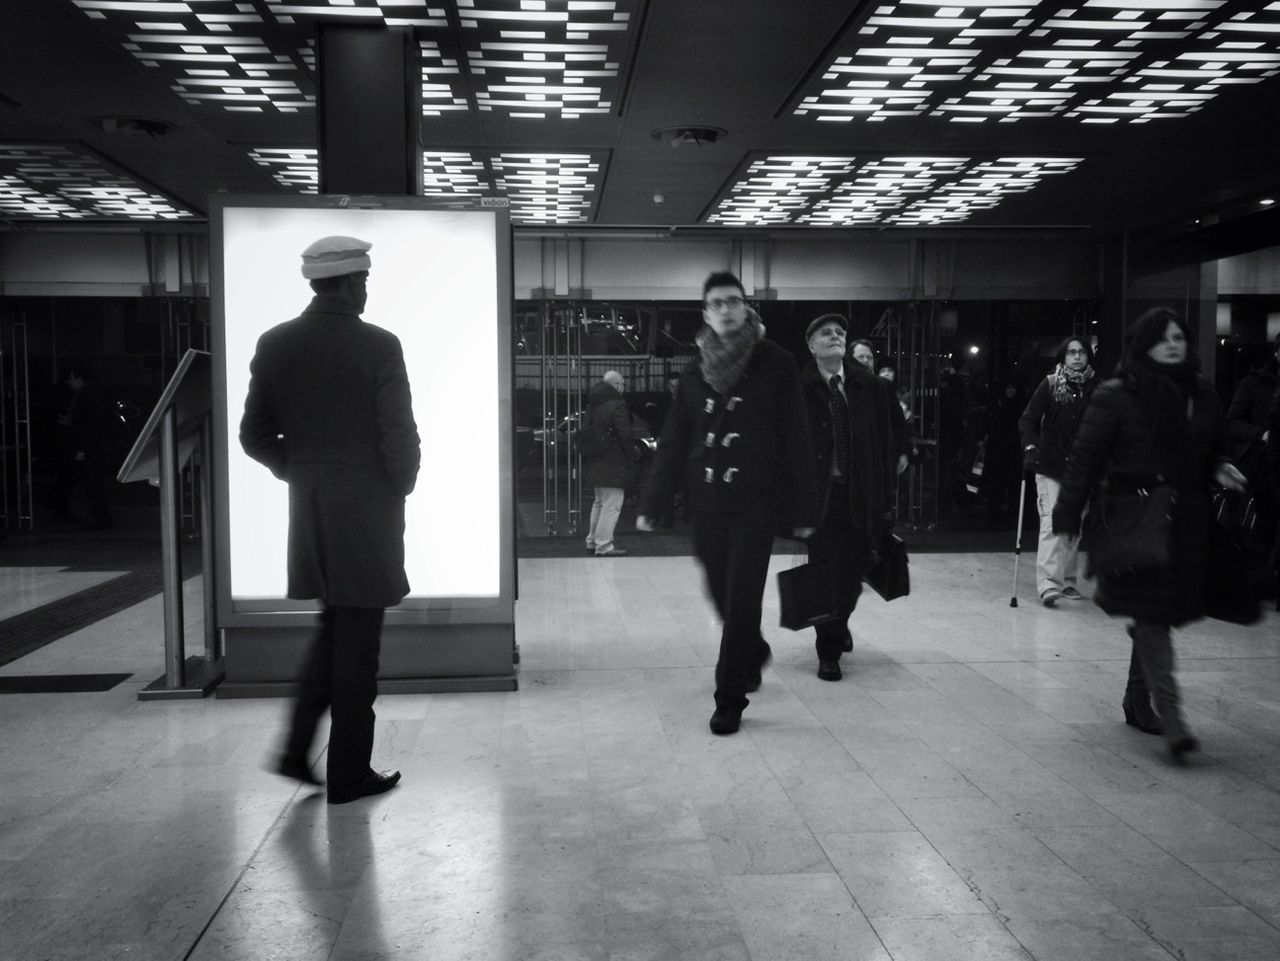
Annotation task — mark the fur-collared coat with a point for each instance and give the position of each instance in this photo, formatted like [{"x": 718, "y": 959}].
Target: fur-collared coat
[{"x": 329, "y": 411}]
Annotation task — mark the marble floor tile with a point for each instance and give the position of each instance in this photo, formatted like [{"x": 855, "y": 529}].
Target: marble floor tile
[
  {"x": 957, "y": 937},
  {"x": 969, "y": 790},
  {"x": 810, "y": 916}
]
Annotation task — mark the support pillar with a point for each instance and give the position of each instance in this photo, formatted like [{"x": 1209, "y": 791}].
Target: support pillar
[{"x": 369, "y": 110}]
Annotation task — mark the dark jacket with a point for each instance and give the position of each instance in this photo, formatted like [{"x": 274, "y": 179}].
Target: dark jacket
[
  {"x": 873, "y": 449},
  {"x": 608, "y": 416},
  {"x": 1251, "y": 405},
  {"x": 748, "y": 452},
  {"x": 1114, "y": 443},
  {"x": 1050, "y": 426},
  {"x": 329, "y": 411}
]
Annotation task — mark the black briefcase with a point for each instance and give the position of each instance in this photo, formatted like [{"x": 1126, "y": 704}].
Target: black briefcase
[
  {"x": 807, "y": 595},
  {"x": 889, "y": 574}
]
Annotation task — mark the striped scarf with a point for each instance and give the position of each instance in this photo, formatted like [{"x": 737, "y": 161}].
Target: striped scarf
[{"x": 1067, "y": 384}]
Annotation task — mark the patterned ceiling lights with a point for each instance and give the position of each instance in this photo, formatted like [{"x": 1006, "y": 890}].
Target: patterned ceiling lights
[
  {"x": 823, "y": 191},
  {"x": 524, "y": 58},
  {"x": 542, "y": 188},
  {"x": 69, "y": 182},
  {"x": 1098, "y": 61}
]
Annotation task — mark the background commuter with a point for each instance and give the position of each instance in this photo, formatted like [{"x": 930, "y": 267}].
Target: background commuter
[
  {"x": 606, "y": 472},
  {"x": 737, "y": 439},
  {"x": 855, "y": 460},
  {"x": 1048, "y": 426},
  {"x": 329, "y": 412},
  {"x": 1157, "y": 421},
  {"x": 82, "y": 452}
]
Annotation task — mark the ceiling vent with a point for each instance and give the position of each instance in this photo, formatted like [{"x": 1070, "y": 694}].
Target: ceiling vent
[{"x": 688, "y": 136}]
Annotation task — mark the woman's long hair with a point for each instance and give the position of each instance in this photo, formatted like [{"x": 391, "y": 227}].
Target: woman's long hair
[{"x": 1162, "y": 389}]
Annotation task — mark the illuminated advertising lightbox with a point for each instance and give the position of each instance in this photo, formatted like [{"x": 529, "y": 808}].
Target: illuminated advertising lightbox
[{"x": 440, "y": 282}]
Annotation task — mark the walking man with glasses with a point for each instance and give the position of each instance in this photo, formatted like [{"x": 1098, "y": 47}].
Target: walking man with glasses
[{"x": 736, "y": 438}]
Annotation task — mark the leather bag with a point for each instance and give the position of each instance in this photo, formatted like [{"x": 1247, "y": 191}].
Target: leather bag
[
  {"x": 1240, "y": 572},
  {"x": 890, "y": 574},
  {"x": 807, "y": 595},
  {"x": 1130, "y": 531}
]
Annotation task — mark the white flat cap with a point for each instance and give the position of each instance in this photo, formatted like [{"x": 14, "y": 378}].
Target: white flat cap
[{"x": 335, "y": 256}]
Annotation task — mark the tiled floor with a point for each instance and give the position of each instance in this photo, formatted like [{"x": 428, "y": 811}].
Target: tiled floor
[{"x": 967, "y": 792}]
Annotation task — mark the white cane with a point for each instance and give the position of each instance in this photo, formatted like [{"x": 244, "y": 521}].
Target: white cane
[{"x": 1017, "y": 547}]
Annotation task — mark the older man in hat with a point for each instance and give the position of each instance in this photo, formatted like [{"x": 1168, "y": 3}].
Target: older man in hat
[
  {"x": 329, "y": 412},
  {"x": 857, "y": 454}
]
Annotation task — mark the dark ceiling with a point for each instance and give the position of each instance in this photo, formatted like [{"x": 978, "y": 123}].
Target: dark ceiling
[{"x": 742, "y": 66}]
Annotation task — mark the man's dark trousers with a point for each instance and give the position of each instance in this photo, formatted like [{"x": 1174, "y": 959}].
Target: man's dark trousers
[
  {"x": 734, "y": 550},
  {"x": 341, "y": 675},
  {"x": 843, "y": 549}
]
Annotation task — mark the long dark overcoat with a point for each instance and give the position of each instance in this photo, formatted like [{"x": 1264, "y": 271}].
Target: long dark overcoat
[
  {"x": 608, "y": 416},
  {"x": 1114, "y": 442},
  {"x": 747, "y": 452},
  {"x": 873, "y": 449},
  {"x": 329, "y": 412}
]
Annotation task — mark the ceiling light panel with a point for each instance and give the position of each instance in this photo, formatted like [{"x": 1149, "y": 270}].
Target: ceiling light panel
[
  {"x": 523, "y": 58},
  {"x": 1097, "y": 61},
  {"x": 542, "y": 188},
  {"x": 546, "y": 58},
  {"x": 898, "y": 191},
  {"x": 217, "y": 53},
  {"x": 69, "y": 182}
]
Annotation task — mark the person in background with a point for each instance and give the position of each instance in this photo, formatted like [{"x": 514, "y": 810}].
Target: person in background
[
  {"x": 887, "y": 371},
  {"x": 855, "y": 461},
  {"x": 862, "y": 351},
  {"x": 1156, "y": 421},
  {"x": 1047, "y": 428},
  {"x": 738, "y": 440},
  {"x": 1002, "y": 473},
  {"x": 329, "y": 412},
  {"x": 606, "y": 472},
  {"x": 83, "y": 452}
]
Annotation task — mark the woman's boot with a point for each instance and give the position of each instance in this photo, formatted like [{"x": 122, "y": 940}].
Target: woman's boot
[
  {"x": 1155, "y": 654},
  {"x": 1137, "y": 702}
]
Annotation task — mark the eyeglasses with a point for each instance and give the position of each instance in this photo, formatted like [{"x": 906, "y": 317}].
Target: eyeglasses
[{"x": 726, "y": 303}]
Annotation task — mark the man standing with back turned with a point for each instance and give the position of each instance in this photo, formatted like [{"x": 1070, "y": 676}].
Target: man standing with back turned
[{"x": 329, "y": 412}]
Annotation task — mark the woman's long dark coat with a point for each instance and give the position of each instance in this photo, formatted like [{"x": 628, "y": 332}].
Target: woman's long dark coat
[
  {"x": 1114, "y": 442},
  {"x": 329, "y": 411}
]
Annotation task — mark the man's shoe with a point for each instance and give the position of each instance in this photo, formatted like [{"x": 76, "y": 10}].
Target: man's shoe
[
  {"x": 297, "y": 769},
  {"x": 1138, "y": 713},
  {"x": 1185, "y": 744},
  {"x": 591, "y": 548},
  {"x": 371, "y": 784},
  {"x": 612, "y": 552},
  {"x": 829, "y": 671},
  {"x": 1051, "y": 597},
  {"x": 1071, "y": 594},
  {"x": 725, "y": 721}
]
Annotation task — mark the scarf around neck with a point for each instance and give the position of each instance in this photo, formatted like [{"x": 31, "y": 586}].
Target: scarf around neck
[
  {"x": 1067, "y": 384},
  {"x": 725, "y": 358}
]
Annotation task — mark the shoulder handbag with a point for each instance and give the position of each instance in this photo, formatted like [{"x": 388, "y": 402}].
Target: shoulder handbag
[
  {"x": 889, "y": 574},
  {"x": 1130, "y": 530}
]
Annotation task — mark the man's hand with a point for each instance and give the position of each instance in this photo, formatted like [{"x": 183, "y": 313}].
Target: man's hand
[
  {"x": 644, "y": 523},
  {"x": 1226, "y": 475},
  {"x": 802, "y": 533},
  {"x": 903, "y": 460}
]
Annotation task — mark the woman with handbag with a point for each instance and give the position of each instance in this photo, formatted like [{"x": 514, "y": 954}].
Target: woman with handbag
[{"x": 1156, "y": 436}]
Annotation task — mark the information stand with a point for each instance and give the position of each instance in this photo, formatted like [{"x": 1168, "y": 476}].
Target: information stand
[{"x": 180, "y": 424}]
